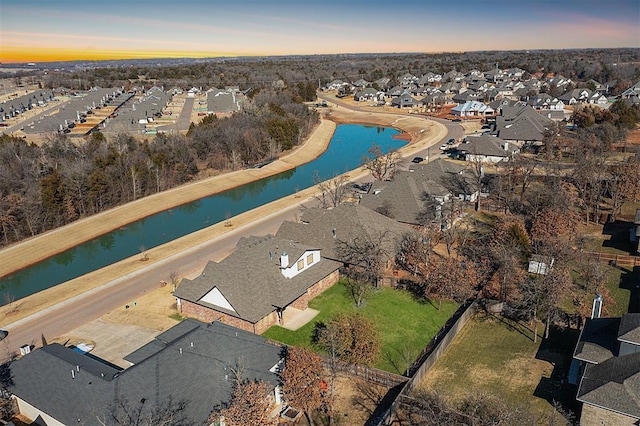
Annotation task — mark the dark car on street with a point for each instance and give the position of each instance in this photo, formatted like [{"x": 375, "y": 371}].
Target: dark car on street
[{"x": 417, "y": 160}]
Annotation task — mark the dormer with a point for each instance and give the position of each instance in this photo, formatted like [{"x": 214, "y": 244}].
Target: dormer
[{"x": 292, "y": 268}]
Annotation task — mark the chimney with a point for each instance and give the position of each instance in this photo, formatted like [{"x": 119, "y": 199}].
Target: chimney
[
  {"x": 284, "y": 260},
  {"x": 597, "y": 306},
  {"x": 506, "y": 146}
]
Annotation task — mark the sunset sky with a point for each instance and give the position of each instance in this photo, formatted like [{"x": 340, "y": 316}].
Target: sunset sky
[{"x": 48, "y": 30}]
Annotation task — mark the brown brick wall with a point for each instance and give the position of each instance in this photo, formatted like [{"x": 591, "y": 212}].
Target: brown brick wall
[
  {"x": 205, "y": 314},
  {"x": 596, "y": 416}
]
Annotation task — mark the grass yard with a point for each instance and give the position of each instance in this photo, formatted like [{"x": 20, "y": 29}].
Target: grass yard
[
  {"x": 405, "y": 324},
  {"x": 619, "y": 283},
  {"x": 498, "y": 357}
]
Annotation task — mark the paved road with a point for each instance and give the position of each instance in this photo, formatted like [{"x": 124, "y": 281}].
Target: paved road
[
  {"x": 74, "y": 312},
  {"x": 184, "y": 121},
  {"x": 85, "y": 307}
]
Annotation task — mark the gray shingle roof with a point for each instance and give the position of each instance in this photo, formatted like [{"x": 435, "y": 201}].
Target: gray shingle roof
[
  {"x": 404, "y": 194},
  {"x": 251, "y": 280},
  {"x": 521, "y": 122},
  {"x": 613, "y": 384},
  {"x": 488, "y": 145},
  {"x": 349, "y": 222},
  {"x": 629, "y": 330},
  {"x": 598, "y": 341},
  {"x": 190, "y": 367},
  {"x": 222, "y": 101}
]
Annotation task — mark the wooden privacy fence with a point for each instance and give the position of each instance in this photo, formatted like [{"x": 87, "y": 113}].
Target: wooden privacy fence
[
  {"x": 427, "y": 359},
  {"x": 617, "y": 259},
  {"x": 372, "y": 375}
]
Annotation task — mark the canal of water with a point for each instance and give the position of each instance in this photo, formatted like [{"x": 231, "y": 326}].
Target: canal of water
[{"x": 348, "y": 146}]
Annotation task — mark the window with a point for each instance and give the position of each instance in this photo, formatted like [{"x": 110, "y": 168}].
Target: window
[
  {"x": 310, "y": 259},
  {"x": 300, "y": 264}
]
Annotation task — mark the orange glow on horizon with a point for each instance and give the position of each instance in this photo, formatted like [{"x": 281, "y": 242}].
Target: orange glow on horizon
[{"x": 20, "y": 54}]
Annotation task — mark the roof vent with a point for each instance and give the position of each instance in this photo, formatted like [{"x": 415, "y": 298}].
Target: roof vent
[{"x": 334, "y": 232}]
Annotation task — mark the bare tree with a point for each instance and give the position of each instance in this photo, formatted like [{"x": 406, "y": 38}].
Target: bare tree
[
  {"x": 332, "y": 192},
  {"x": 382, "y": 166},
  {"x": 365, "y": 255},
  {"x": 251, "y": 404},
  {"x": 124, "y": 412}
]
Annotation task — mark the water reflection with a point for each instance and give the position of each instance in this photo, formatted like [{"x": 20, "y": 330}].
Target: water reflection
[{"x": 345, "y": 152}]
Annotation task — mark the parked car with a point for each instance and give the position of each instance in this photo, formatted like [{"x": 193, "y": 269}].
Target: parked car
[
  {"x": 444, "y": 147},
  {"x": 3, "y": 334},
  {"x": 456, "y": 120},
  {"x": 451, "y": 141},
  {"x": 417, "y": 160}
]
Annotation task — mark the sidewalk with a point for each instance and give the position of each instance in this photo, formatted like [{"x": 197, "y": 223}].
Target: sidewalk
[{"x": 424, "y": 133}]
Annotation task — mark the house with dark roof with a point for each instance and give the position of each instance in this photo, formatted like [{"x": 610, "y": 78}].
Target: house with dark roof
[
  {"x": 223, "y": 102},
  {"x": 606, "y": 367},
  {"x": 326, "y": 228},
  {"x": 487, "y": 149},
  {"x": 410, "y": 193},
  {"x": 252, "y": 287},
  {"x": 521, "y": 123},
  {"x": 404, "y": 100},
  {"x": 368, "y": 94},
  {"x": 191, "y": 362}
]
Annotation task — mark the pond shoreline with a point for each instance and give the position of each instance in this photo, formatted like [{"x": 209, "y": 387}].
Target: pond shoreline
[{"x": 319, "y": 139}]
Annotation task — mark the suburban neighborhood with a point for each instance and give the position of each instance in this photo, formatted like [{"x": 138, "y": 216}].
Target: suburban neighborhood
[{"x": 485, "y": 272}]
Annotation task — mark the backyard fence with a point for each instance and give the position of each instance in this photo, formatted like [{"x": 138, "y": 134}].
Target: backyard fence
[
  {"x": 615, "y": 259},
  {"x": 426, "y": 360},
  {"x": 371, "y": 375}
]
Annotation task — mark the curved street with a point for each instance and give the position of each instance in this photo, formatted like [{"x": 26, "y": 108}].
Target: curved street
[{"x": 120, "y": 289}]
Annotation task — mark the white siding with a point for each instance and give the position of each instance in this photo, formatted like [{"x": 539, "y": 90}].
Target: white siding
[
  {"x": 215, "y": 297},
  {"x": 292, "y": 271},
  {"x": 33, "y": 413}
]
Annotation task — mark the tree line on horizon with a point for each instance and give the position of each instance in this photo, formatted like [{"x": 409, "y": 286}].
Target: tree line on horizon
[{"x": 47, "y": 186}]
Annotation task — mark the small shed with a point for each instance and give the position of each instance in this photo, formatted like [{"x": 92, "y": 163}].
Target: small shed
[{"x": 540, "y": 264}]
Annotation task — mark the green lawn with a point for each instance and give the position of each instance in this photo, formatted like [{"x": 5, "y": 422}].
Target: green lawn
[
  {"x": 405, "y": 324},
  {"x": 619, "y": 281},
  {"x": 498, "y": 357}
]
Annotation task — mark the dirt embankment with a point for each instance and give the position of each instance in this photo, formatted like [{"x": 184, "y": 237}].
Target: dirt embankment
[{"x": 423, "y": 133}]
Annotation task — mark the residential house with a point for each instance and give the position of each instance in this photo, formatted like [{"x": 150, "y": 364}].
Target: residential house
[
  {"x": 336, "y": 85},
  {"x": 583, "y": 96},
  {"x": 191, "y": 362},
  {"x": 223, "y": 102},
  {"x": 382, "y": 83},
  {"x": 407, "y": 79},
  {"x": 251, "y": 288},
  {"x": 544, "y": 101},
  {"x": 472, "y": 109},
  {"x": 405, "y": 100},
  {"x": 328, "y": 228},
  {"x": 410, "y": 193},
  {"x": 631, "y": 92},
  {"x": 191, "y": 93},
  {"x": 369, "y": 94},
  {"x": 487, "y": 149},
  {"x": 522, "y": 124},
  {"x": 465, "y": 97},
  {"x": 606, "y": 367},
  {"x": 361, "y": 83}
]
